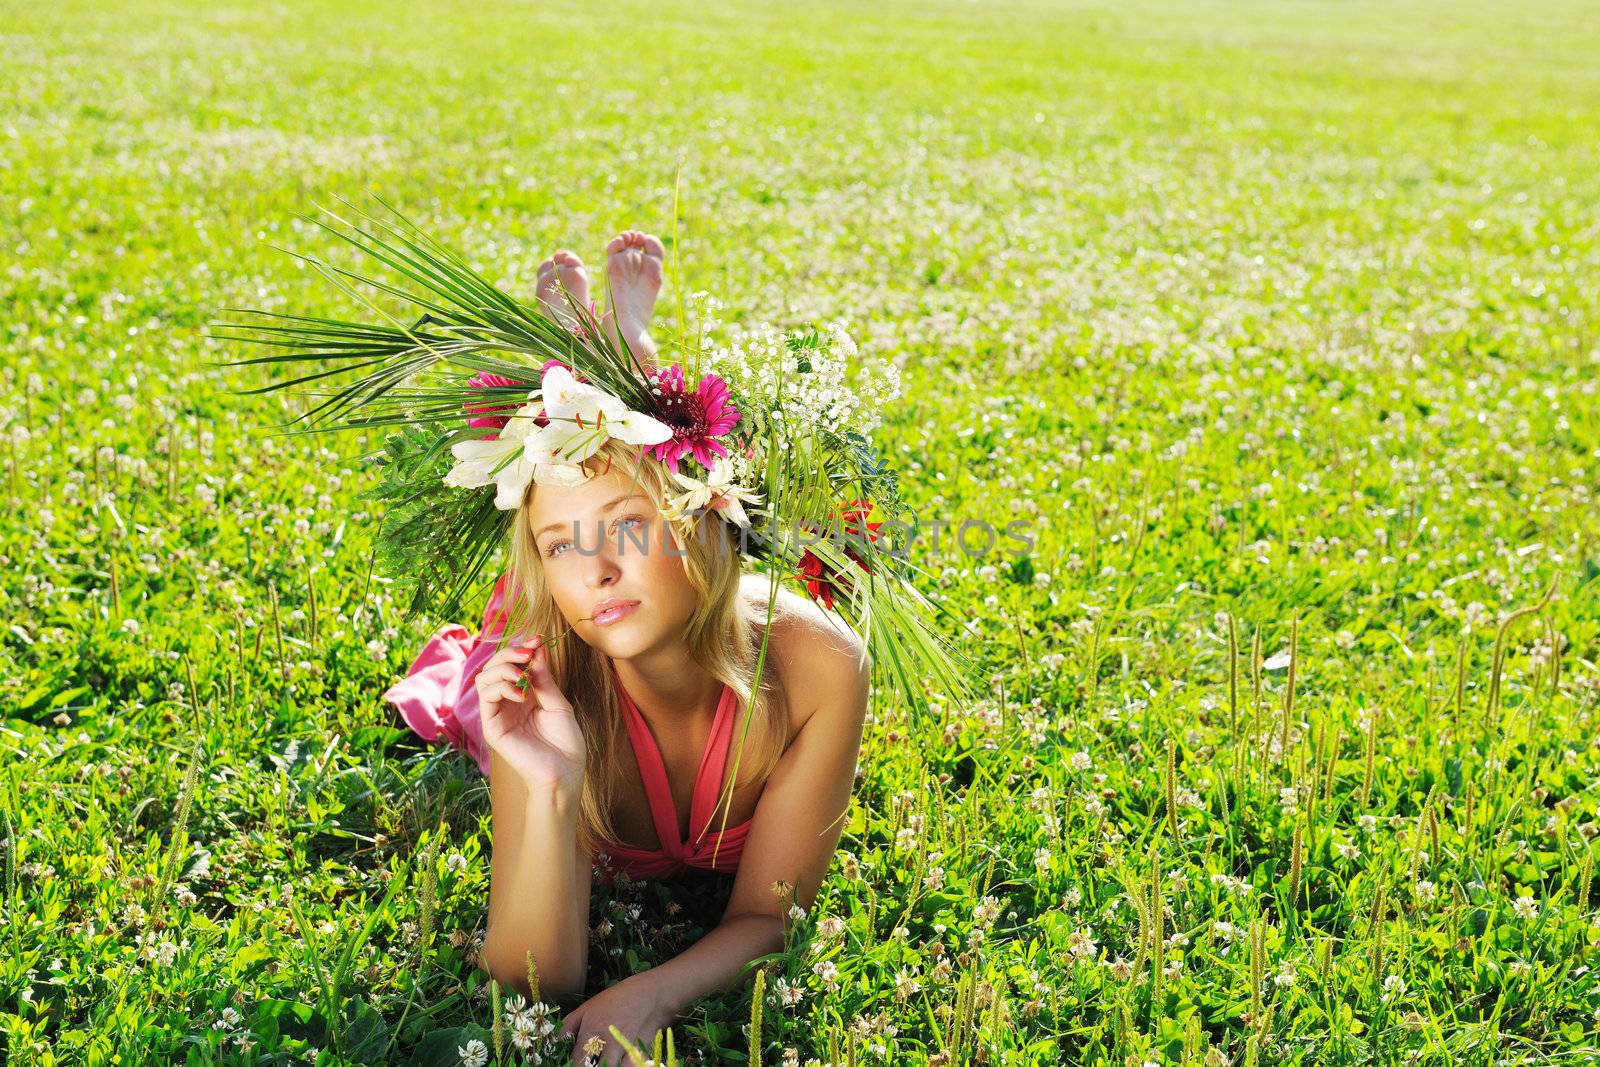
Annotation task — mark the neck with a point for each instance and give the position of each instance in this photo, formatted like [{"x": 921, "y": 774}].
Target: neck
[{"x": 668, "y": 685}]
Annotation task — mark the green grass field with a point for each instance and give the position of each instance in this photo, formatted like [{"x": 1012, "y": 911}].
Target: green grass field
[{"x": 1277, "y": 317}]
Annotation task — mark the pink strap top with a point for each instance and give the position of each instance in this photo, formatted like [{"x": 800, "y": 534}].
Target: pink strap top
[
  {"x": 707, "y": 847},
  {"x": 438, "y": 700}
]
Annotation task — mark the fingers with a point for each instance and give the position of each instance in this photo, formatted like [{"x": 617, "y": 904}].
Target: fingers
[
  {"x": 570, "y": 1027},
  {"x": 515, "y": 654},
  {"x": 541, "y": 682},
  {"x": 507, "y": 665},
  {"x": 491, "y": 697},
  {"x": 503, "y": 672}
]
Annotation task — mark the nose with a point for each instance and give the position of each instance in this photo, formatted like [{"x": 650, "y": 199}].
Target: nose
[{"x": 601, "y": 568}]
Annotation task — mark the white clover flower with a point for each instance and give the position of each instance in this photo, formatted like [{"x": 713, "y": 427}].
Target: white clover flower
[
  {"x": 1288, "y": 800},
  {"x": 522, "y": 1033},
  {"x": 1525, "y": 907},
  {"x": 905, "y": 984},
  {"x": 789, "y": 994},
  {"x": 473, "y": 1054}
]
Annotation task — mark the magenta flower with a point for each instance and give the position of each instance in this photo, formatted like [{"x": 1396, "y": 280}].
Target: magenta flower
[
  {"x": 481, "y": 417},
  {"x": 697, "y": 418},
  {"x": 557, "y": 363},
  {"x": 483, "y": 420}
]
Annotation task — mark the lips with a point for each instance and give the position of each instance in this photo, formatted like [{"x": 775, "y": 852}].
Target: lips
[{"x": 610, "y": 611}]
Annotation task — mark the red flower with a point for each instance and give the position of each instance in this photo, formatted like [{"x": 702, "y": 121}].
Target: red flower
[{"x": 820, "y": 582}]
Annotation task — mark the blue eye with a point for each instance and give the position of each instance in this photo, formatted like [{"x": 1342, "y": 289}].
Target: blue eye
[{"x": 551, "y": 550}]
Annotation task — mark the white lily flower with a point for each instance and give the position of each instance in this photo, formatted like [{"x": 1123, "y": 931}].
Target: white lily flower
[
  {"x": 505, "y": 460},
  {"x": 582, "y": 418},
  {"x": 717, "y": 491}
]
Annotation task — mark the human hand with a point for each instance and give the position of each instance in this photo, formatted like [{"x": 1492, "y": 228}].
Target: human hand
[
  {"x": 633, "y": 1006},
  {"x": 526, "y": 718}
]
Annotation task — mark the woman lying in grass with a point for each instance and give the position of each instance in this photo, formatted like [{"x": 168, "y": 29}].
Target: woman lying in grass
[
  {"x": 665, "y": 712},
  {"x": 627, "y": 732}
]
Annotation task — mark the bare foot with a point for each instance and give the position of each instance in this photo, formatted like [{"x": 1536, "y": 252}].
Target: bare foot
[
  {"x": 561, "y": 276},
  {"x": 633, "y": 277}
]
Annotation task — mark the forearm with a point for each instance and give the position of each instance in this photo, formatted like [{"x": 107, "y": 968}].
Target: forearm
[
  {"x": 716, "y": 960},
  {"x": 538, "y": 886}
]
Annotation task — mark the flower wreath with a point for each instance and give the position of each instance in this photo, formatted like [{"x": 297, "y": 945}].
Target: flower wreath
[{"x": 483, "y": 393}]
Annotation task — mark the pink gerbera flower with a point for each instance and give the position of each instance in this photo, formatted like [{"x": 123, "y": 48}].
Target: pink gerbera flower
[
  {"x": 482, "y": 417},
  {"x": 697, "y": 418},
  {"x": 483, "y": 420}
]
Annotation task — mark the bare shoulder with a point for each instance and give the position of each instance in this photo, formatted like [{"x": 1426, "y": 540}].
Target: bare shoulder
[{"x": 820, "y": 659}]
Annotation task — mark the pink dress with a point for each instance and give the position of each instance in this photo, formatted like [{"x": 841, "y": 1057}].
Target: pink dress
[{"x": 437, "y": 699}]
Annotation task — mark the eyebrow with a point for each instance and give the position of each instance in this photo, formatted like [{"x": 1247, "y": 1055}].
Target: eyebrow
[{"x": 559, "y": 526}]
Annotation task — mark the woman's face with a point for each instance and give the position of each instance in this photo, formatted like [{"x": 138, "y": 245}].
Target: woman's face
[{"x": 612, "y": 564}]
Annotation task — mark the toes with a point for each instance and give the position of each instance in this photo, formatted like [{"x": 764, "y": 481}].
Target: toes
[
  {"x": 628, "y": 240},
  {"x": 567, "y": 258},
  {"x": 546, "y": 268},
  {"x": 652, "y": 246}
]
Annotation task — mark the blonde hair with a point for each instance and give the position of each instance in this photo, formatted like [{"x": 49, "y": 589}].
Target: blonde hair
[{"x": 723, "y": 634}]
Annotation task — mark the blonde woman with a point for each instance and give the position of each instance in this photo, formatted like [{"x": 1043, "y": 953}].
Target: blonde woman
[{"x": 627, "y": 731}]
